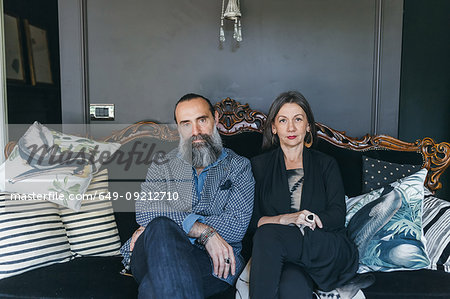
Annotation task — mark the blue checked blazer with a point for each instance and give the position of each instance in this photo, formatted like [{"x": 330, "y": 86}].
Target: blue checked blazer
[{"x": 226, "y": 201}]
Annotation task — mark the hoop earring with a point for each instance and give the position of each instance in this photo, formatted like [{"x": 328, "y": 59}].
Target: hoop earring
[{"x": 310, "y": 142}]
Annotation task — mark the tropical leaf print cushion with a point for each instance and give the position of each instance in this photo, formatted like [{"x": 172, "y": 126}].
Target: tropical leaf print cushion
[{"x": 388, "y": 228}]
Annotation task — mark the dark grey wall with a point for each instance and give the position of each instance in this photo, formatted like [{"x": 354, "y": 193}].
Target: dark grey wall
[
  {"x": 73, "y": 87},
  {"x": 144, "y": 54},
  {"x": 425, "y": 79}
]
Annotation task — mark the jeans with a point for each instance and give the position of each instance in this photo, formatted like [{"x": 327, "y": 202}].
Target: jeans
[{"x": 167, "y": 265}]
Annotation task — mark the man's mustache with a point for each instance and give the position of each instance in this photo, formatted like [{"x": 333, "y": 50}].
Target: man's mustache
[{"x": 203, "y": 137}]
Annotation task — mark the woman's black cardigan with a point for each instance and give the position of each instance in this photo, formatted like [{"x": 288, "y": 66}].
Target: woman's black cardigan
[{"x": 322, "y": 193}]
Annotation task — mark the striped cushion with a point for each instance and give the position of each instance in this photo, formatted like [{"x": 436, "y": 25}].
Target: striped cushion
[
  {"x": 31, "y": 236},
  {"x": 436, "y": 226},
  {"x": 92, "y": 231}
]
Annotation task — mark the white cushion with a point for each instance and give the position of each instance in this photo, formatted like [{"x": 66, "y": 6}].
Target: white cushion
[
  {"x": 31, "y": 236},
  {"x": 92, "y": 231}
]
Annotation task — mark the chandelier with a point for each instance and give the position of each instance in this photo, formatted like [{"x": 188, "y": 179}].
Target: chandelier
[{"x": 232, "y": 13}]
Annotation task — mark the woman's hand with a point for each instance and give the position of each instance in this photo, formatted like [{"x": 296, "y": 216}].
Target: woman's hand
[
  {"x": 300, "y": 218},
  {"x": 135, "y": 236},
  {"x": 287, "y": 219}
]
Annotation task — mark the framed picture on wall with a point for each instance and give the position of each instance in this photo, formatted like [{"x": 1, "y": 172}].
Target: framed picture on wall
[
  {"x": 13, "y": 49},
  {"x": 38, "y": 54}
]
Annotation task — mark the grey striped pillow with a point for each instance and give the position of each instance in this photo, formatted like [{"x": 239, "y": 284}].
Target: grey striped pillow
[
  {"x": 436, "y": 227},
  {"x": 92, "y": 231},
  {"x": 31, "y": 236}
]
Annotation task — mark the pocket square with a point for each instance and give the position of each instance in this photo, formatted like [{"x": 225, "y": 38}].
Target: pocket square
[{"x": 226, "y": 185}]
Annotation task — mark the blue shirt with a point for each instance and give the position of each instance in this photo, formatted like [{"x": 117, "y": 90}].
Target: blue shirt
[
  {"x": 199, "y": 180},
  {"x": 221, "y": 197}
]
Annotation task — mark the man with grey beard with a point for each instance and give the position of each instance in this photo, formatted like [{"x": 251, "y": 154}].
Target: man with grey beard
[
  {"x": 204, "y": 153},
  {"x": 190, "y": 247}
]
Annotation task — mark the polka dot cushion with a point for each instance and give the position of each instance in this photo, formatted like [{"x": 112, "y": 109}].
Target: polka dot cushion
[{"x": 379, "y": 173}]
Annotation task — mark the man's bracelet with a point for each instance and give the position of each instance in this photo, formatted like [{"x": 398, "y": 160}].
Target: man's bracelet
[{"x": 206, "y": 235}]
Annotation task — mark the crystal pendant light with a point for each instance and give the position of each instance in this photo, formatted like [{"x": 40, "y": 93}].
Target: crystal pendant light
[
  {"x": 232, "y": 13},
  {"x": 222, "y": 33}
]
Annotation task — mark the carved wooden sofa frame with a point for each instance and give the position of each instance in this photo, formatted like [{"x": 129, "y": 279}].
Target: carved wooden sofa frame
[{"x": 235, "y": 118}]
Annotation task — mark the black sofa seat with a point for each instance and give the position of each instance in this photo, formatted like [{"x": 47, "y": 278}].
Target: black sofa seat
[
  {"x": 81, "y": 278},
  {"x": 410, "y": 284},
  {"x": 87, "y": 277}
]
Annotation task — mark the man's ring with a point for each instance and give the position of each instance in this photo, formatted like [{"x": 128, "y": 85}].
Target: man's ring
[
  {"x": 310, "y": 217},
  {"x": 227, "y": 260}
]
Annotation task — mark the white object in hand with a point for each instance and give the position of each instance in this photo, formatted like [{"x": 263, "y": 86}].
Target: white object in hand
[{"x": 310, "y": 218}]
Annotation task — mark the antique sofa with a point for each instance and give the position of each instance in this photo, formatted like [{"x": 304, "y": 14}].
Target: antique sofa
[{"x": 241, "y": 130}]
